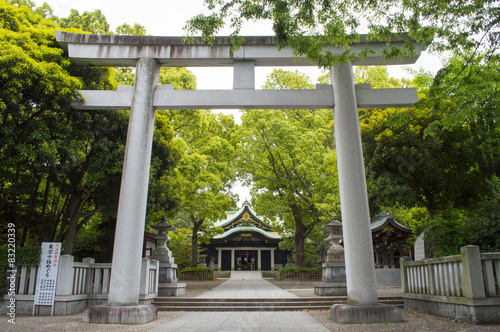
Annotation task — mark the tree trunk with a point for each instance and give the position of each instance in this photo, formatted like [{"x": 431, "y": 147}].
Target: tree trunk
[
  {"x": 72, "y": 205},
  {"x": 300, "y": 257},
  {"x": 28, "y": 213},
  {"x": 194, "y": 241},
  {"x": 74, "y": 217},
  {"x": 14, "y": 204},
  {"x": 41, "y": 235},
  {"x": 73, "y": 230},
  {"x": 300, "y": 231}
]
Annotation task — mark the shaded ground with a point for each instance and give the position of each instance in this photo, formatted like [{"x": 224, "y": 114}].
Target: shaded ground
[
  {"x": 75, "y": 323},
  {"x": 412, "y": 321},
  {"x": 195, "y": 288}
]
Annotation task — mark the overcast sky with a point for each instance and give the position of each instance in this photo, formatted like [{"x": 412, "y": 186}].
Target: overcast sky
[{"x": 168, "y": 17}]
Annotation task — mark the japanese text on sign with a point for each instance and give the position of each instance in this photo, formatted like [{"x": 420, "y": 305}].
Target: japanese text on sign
[{"x": 47, "y": 273}]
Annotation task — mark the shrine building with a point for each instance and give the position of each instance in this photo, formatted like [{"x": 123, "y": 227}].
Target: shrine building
[
  {"x": 388, "y": 238},
  {"x": 248, "y": 243}
]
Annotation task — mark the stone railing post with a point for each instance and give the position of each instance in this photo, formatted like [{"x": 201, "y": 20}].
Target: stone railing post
[
  {"x": 157, "y": 274},
  {"x": 472, "y": 273},
  {"x": 65, "y": 275},
  {"x": 404, "y": 279},
  {"x": 144, "y": 288},
  {"x": 88, "y": 274}
]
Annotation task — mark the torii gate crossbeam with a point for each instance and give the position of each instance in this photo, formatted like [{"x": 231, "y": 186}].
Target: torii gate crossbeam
[{"x": 148, "y": 54}]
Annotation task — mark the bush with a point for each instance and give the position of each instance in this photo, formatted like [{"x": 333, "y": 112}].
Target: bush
[
  {"x": 293, "y": 269},
  {"x": 198, "y": 269}
]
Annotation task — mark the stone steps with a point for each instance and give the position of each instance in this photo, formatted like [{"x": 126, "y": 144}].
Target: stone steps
[{"x": 256, "y": 304}]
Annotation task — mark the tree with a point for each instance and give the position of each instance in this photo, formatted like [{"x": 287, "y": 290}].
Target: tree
[
  {"x": 309, "y": 27},
  {"x": 180, "y": 245},
  {"x": 94, "y": 22},
  {"x": 36, "y": 143},
  {"x": 289, "y": 159},
  {"x": 205, "y": 173},
  {"x": 126, "y": 29},
  {"x": 434, "y": 156},
  {"x": 406, "y": 167},
  {"x": 61, "y": 168},
  {"x": 465, "y": 94}
]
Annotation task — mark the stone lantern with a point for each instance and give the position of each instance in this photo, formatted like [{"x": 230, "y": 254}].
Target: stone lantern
[
  {"x": 333, "y": 281},
  {"x": 167, "y": 281},
  {"x": 336, "y": 251},
  {"x": 161, "y": 252}
]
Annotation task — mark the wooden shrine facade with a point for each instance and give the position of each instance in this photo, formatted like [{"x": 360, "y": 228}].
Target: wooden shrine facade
[
  {"x": 246, "y": 244},
  {"x": 388, "y": 238}
]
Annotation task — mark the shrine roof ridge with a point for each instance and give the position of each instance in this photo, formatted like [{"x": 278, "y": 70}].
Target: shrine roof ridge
[
  {"x": 246, "y": 229},
  {"x": 383, "y": 219}
]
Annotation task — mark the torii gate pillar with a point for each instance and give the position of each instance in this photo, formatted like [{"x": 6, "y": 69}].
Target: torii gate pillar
[
  {"x": 123, "y": 298},
  {"x": 362, "y": 304}
]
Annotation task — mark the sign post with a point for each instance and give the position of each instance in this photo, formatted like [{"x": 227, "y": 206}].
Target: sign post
[{"x": 47, "y": 275}]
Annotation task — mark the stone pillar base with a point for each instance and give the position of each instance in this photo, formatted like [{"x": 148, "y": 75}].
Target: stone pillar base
[
  {"x": 171, "y": 289},
  {"x": 330, "y": 288},
  {"x": 365, "y": 314},
  {"x": 108, "y": 314}
]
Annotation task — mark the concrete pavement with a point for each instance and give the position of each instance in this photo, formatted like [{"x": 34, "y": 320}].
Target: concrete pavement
[{"x": 243, "y": 284}]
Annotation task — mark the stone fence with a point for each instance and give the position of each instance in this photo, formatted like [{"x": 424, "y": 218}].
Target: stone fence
[
  {"x": 299, "y": 276},
  {"x": 202, "y": 276},
  {"x": 79, "y": 285},
  {"x": 463, "y": 287}
]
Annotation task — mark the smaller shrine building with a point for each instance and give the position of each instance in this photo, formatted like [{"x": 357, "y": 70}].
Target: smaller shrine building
[{"x": 388, "y": 238}]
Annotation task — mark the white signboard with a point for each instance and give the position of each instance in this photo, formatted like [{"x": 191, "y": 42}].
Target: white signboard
[{"x": 47, "y": 274}]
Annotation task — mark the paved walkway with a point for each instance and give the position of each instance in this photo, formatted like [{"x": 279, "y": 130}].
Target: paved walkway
[
  {"x": 246, "y": 284},
  {"x": 243, "y": 284}
]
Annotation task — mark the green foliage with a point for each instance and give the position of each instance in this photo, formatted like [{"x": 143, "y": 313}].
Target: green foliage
[
  {"x": 294, "y": 269},
  {"x": 416, "y": 218},
  {"x": 126, "y": 29},
  {"x": 45, "y": 147},
  {"x": 202, "y": 180},
  {"x": 180, "y": 245},
  {"x": 198, "y": 269},
  {"x": 94, "y": 22},
  {"x": 407, "y": 168},
  {"x": 314, "y": 247},
  {"x": 26, "y": 255},
  {"x": 309, "y": 27},
  {"x": 448, "y": 232},
  {"x": 465, "y": 94},
  {"x": 89, "y": 242},
  {"x": 179, "y": 77},
  {"x": 484, "y": 223},
  {"x": 60, "y": 168}
]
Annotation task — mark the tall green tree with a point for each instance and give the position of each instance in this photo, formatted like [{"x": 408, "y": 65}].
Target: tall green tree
[
  {"x": 61, "y": 168},
  {"x": 465, "y": 94},
  {"x": 38, "y": 145},
  {"x": 94, "y": 22},
  {"x": 289, "y": 159},
  {"x": 205, "y": 174},
  {"x": 405, "y": 166}
]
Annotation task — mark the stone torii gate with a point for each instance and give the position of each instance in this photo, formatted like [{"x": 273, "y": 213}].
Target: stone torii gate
[{"x": 148, "y": 54}]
